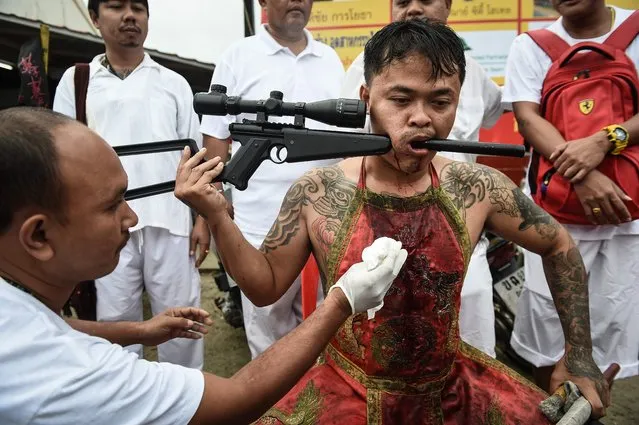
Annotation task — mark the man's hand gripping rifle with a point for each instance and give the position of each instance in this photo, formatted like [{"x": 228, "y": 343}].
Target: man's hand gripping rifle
[{"x": 263, "y": 140}]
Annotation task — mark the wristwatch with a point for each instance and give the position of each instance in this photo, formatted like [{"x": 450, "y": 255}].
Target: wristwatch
[{"x": 618, "y": 137}]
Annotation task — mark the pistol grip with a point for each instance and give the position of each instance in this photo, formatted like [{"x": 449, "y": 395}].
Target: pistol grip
[{"x": 244, "y": 162}]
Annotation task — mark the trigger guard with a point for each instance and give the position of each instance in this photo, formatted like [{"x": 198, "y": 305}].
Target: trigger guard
[{"x": 278, "y": 154}]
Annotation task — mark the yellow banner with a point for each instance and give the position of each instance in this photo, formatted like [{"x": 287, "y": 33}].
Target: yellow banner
[
  {"x": 624, "y": 4},
  {"x": 344, "y": 14},
  {"x": 346, "y": 26},
  {"x": 483, "y": 10},
  {"x": 348, "y": 43},
  {"x": 488, "y": 26},
  {"x": 492, "y": 26},
  {"x": 542, "y": 9}
]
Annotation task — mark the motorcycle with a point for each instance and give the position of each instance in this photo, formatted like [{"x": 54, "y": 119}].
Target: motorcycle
[{"x": 506, "y": 262}]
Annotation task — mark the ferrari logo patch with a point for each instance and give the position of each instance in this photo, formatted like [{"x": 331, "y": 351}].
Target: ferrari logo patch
[{"x": 586, "y": 106}]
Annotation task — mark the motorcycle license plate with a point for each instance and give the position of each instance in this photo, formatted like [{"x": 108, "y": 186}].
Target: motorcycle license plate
[{"x": 510, "y": 287}]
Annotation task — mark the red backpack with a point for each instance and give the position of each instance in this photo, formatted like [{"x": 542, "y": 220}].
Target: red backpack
[{"x": 581, "y": 94}]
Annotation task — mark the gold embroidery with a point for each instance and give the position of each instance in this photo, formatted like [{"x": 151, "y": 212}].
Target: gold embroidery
[
  {"x": 396, "y": 203},
  {"x": 347, "y": 340},
  {"x": 383, "y": 344},
  {"x": 266, "y": 421},
  {"x": 436, "y": 409},
  {"x": 306, "y": 411},
  {"x": 374, "y": 407},
  {"x": 342, "y": 239},
  {"x": 458, "y": 226},
  {"x": 427, "y": 409},
  {"x": 321, "y": 360},
  {"x": 456, "y": 223},
  {"x": 403, "y": 342},
  {"x": 395, "y": 385},
  {"x": 481, "y": 358},
  {"x": 494, "y": 416}
]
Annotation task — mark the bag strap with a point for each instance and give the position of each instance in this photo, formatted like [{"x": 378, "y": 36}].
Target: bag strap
[
  {"x": 81, "y": 81},
  {"x": 625, "y": 33},
  {"x": 553, "y": 45}
]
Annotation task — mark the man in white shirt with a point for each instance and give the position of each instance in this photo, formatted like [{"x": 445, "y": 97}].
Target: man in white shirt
[
  {"x": 610, "y": 250},
  {"x": 479, "y": 107},
  {"x": 282, "y": 56},
  {"x": 132, "y": 99},
  {"x": 63, "y": 219}
]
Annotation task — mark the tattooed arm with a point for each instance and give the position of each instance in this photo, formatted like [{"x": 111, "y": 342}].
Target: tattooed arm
[
  {"x": 480, "y": 190},
  {"x": 265, "y": 274},
  {"x": 310, "y": 215},
  {"x": 325, "y": 196}
]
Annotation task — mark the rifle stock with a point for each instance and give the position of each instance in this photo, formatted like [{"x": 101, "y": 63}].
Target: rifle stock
[{"x": 290, "y": 144}]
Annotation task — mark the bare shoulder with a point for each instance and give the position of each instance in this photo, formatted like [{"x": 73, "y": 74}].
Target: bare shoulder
[
  {"x": 456, "y": 170},
  {"x": 482, "y": 188},
  {"x": 321, "y": 198},
  {"x": 470, "y": 184},
  {"x": 315, "y": 202},
  {"x": 351, "y": 168},
  {"x": 322, "y": 184},
  {"x": 344, "y": 173}
]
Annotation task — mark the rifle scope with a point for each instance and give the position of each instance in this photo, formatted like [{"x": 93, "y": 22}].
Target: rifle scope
[{"x": 349, "y": 113}]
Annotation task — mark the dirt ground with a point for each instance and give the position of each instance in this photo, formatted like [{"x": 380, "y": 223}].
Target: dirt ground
[{"x": 226, "y": 351}]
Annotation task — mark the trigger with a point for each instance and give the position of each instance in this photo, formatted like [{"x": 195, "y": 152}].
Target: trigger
[{"x": 278, "y": 154}]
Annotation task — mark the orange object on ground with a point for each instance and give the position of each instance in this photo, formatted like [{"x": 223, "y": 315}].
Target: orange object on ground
[{"x": 310, "y": 280}]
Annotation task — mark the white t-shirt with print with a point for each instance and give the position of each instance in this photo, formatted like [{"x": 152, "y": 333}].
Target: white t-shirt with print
[{"x": 51, "y": 374}]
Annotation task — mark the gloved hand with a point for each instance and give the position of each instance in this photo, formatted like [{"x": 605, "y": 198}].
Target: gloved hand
[{"x": 365, "y": 284}]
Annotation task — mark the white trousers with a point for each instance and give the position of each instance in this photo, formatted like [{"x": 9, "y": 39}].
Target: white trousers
[
  {"x": 159, "y": 262},
  {"x": 265, "y": 325},
  {"x": 613, "y": 285},
  {"x": 477, "y": 313}
]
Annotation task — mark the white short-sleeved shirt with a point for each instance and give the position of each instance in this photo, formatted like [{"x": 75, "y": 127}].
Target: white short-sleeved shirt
[
  {"x": 51, "y": 374},
  {"x": 479, "y": 102},
  {"x": 152, "y": 104},
  {"x": 252, "y": 68},
  {"x": 526, "y": 70}
]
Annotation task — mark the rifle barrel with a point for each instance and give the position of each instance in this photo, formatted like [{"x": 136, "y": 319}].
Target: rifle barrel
[{"x": 480, "y": 148}]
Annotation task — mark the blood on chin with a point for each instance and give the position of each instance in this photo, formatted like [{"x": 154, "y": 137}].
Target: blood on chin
[{"x": 410, "y": 163}]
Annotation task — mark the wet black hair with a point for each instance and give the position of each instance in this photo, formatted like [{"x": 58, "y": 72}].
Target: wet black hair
[{"x": 435, "y": 41}]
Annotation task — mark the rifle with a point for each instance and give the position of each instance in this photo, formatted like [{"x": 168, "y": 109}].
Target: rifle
[{"x": 263, "y": 140}]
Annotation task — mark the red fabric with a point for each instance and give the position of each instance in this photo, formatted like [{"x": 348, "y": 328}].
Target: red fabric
[
  {"x": 475, "y": 393},
  {"x": 581, "y": 94},
  {"x": 310, "y": 280},
  {"x": 406, "y": 366}
]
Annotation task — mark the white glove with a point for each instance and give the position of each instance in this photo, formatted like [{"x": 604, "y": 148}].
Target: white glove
[{"x": 365, "y": 284}]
